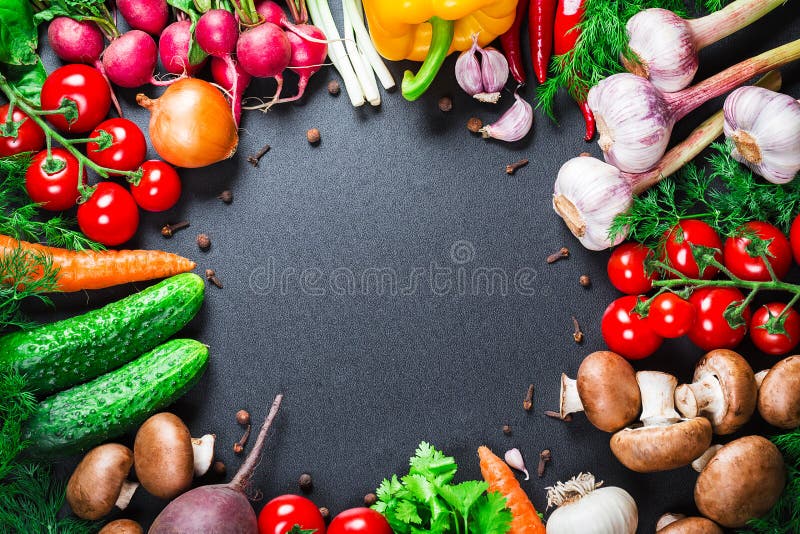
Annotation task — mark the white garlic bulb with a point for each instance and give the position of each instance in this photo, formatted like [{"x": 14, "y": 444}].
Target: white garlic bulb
[
  {"x": 588, "y": 195},
  {"x": 586, "y": 508},
  {"x": 765, "y": 129}
]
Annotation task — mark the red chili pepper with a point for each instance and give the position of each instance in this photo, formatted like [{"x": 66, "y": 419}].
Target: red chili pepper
[
  {"x": 510, "y": 43},
  {"x": 541, "y": 19},
  {"x": 568, "y": 15}
]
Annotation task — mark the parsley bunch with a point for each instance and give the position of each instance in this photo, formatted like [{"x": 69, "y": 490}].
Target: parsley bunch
[{"x": 426, "y": 501}]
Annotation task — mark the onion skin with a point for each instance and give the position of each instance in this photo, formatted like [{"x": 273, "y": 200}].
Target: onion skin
[{"x": 191, "y": 124}]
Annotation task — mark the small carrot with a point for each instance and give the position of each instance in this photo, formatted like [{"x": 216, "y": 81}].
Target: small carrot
[
  {"x": 501, "y": 479},
  {"x": 78, "y": 270}
]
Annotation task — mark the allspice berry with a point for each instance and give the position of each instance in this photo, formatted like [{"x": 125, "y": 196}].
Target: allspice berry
[
  {"x": 313, "y": 136},
  {"x": 203, "y": 241},
  {"x": 325, "y": 513},
  {"x": 333, "y": 87},
  {"x": 370, "y": 499},
  {"x": 226, "y": 196},
  {"x": 474, "y": 124},
  {"x": 445, "y": 104},
  {"x": 584, "y": 280},
  {"x": 306, "y": 484},
  {"x": 243, "y": 417}
]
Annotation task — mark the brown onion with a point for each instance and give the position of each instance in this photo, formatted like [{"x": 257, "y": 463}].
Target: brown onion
[{"x": 191, "y": 124}]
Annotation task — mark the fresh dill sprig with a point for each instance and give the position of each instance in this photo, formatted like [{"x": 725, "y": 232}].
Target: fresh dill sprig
[
  {"x": 23, "y": 274},
  {"x": 725, "y": 194},
  {"x": 16, "y": 405}
]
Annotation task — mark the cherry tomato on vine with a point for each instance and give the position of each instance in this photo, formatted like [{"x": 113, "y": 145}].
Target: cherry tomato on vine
[
  {"x": 677, "y": 247},
  {"x": 282, "y": 513},
  {"x": 627, "y": 333},
  {"x": 110, "y": 216},
  {"x": 56, "y": 190},
  {"x": 160, "y": 186},
  {"x": 359, "y": 521},
  {"x": 775, "y": 344},
  {"x": 711, "y": 329},
  {"x": 626, "y": 269},
  {"x": 671, "y": 316},
  {"x": 738, "y": 251},
  {"x": 29, "y": 136},
  {"x": 128, "y": 145},
  {"x": 794, "y": 238},
  {"x": 85, "y": 86}
]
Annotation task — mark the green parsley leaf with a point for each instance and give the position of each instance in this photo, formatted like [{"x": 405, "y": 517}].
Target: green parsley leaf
[{"x": 491, "y": 515}]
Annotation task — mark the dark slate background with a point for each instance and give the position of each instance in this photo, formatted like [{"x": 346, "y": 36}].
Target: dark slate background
[{"x": 369, "y": 376}]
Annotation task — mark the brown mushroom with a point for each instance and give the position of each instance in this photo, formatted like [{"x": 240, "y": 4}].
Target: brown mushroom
[
  {"x": 680, "y": 524},
  {"x": 723, "y": 391},
  {"x": 664, "y": 441},
  {"x": 779, "y": 393},
  {"x": 605, "y": 389},
  {"x": 122, "y": 526},
  {"x": 164, "y": 456},
  {"x": 742, "y": 481},
  {"x": 100, "y": 482}
]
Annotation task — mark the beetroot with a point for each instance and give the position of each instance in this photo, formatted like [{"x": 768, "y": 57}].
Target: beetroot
[
  {"x": 221, "y": 508},
  {"x": 173, "y": 48},
  {"x": 150, "y": 16},
  {"x": 131, "y": 59},
  {"x": 231, "y": 76}
]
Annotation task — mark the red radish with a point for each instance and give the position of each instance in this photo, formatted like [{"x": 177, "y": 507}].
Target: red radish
[
  {"x": 233, "y": 81},
  {"x": 265, "y": 52},
  {"x": 76, "y": 41},
  {"x": 217, "y": 32},
  {"x": 219, "y": 508},
  {"x": 150, "y": 16},
  {"x": 272, "y": 12},
  {"x": 130, "y": 59},
  {"x": 307, "y": 57},
  {"x": 173, "y": 48}
]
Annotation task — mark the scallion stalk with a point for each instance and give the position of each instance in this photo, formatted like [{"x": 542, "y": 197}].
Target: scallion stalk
[
  {"x": 362, "y": 68},
  {"x": 354, "y": 9}
]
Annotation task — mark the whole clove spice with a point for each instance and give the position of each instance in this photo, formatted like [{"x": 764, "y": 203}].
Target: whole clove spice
[
  {"x": 306, "y": 484},
  {"x": 203, "y": 242},
  {"x": 168, "y": 230},
  {"x": 313, "y": 136},
  {"x": 527, "y": 404},
  {"x": 257, "y": 157},
  {"x": 211, "y": 276},
  {"x": 577, "y": 335},
  {"x": 226, "y": 196},
  {"x": 334, "y": 87},
  {"x": 562, "y": 253},
  {"x": 445, "y": 104},
  {"x": 507, "y": 429},
  {"x": 511, "y": 168},
  {"x": 584, "y": 280},
  {"x": 555, "y": 415},
  {"x": 474, "y": 124},
  {"x": 370, "y": 499},
  {"x": 238, "y": 447},
  {"x": 544, "y": 458}
]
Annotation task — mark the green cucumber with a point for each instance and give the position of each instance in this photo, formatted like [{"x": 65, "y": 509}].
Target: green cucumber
[
  {"x": 59, "y": 355},
  {"x": 77, "y": 419}
]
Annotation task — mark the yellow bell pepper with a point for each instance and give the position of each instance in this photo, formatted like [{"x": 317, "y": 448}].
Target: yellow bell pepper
[{"x": 429, "y": 30}]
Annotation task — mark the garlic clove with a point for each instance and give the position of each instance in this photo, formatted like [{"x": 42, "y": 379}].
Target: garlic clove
[
  {"x": 514, "y": 458},
  {"x": 588, "y": 194},
  {"x": 494, "y": 73},
  {"x": 512, "y": 125},
  {"x": 468, "y": 70},
  {"x": 765, "y": 129}
]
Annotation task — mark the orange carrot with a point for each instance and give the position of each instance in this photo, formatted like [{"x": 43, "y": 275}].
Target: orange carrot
[
  {"x": 79, "y": 270},
  {"x": 501, "y": 479}
]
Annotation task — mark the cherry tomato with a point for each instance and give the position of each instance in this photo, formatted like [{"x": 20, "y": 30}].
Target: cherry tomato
[
  {"x": 160, "y": 186},
  {"x": 626, "y": 333},
  {"x": 711, "y": 329},
  {"x": 83, "y": 85},
  {"x": 670, "y": 316},
  {"x": 794, "y": 238},
  {"x": 359, "y": 521},
  {"x": 747, "y": 267},
  {"x": 282, "y": 513},
  {"x": 110, "y": 216},
  {"x": 775, "y": 344},
  {"x": 30, "y": 138},
  {"x": 57, "y": 190},
  {"x": 626, "y": 269},
  {"x": 128, "y": 146},
  {"x": 679, "y": 252}
]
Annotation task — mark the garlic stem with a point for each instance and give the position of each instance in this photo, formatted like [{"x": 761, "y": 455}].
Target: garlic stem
[{"x": 732, "y": 18}]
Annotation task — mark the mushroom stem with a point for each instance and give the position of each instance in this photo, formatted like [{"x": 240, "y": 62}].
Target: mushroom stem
[
  {"x": 658, "y": 398},
  {"x": 668, "y": 519},
  {"x": 570, "y": 400},
  {"x": 126, "y": 494},
  {"x": 203, "y": 452},
  {"x": 700, "y": 463},
  {"x": 760, "y": 376},
  {"x": 702, "y": 396}
]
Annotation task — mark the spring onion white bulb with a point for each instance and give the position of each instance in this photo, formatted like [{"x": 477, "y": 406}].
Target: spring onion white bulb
[{"x": 586, "y": 508}]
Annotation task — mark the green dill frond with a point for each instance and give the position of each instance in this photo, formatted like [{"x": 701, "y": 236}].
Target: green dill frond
[
  {"x": 23, "y": 274},
  {"x": 16, "y": 405}
]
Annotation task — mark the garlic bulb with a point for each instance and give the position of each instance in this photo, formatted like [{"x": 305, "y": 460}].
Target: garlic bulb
[
  {"x": 586, "y": 508},
  {"x": 512, "y": 125},
  {"x": 588, "y": 195},
  {"x": 485, "y": 79},
  {"x": 765, "y": 129}
]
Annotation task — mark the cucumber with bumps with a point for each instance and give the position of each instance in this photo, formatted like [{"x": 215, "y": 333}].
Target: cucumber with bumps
[
  {"x": 59, "y": 355},
  {"x": 86, "y": 415}
]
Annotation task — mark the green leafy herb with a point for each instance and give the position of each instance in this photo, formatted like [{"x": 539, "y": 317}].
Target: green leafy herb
[
  {"x": 425, "y": 500},
  {"x": 725, "y": 195},
  {"x": 16, "y": 405},
  {"x": 94, "y": 10},
  {"x": 297, "y": 529},
  {"x": 196, "y": 54}
]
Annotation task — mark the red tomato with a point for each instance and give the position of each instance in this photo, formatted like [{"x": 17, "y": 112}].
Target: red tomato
[
  {"x": 711, "y": 330},
  {"x": 626, "y": 333},
  {"x": 670, "y": 316},
  {"x": 626, "y": 269},
  {"x": 794, "y": 238},
  {"x": 160, "y": 186},
  {"x": 57, "y": 190},
  {"x": 747, "y": 267},
  {"x": 775, "y": 344},
  {"x": 110, "y": 216},
  {"x": 282, "y": 513},
  {"x": 83, "y": 85},
  {"x": 679, "y": 252},
  {"x": 128, "y": 146},
  {"x": 359, "y": 521},
  {"x": 30, "y": 138}
]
